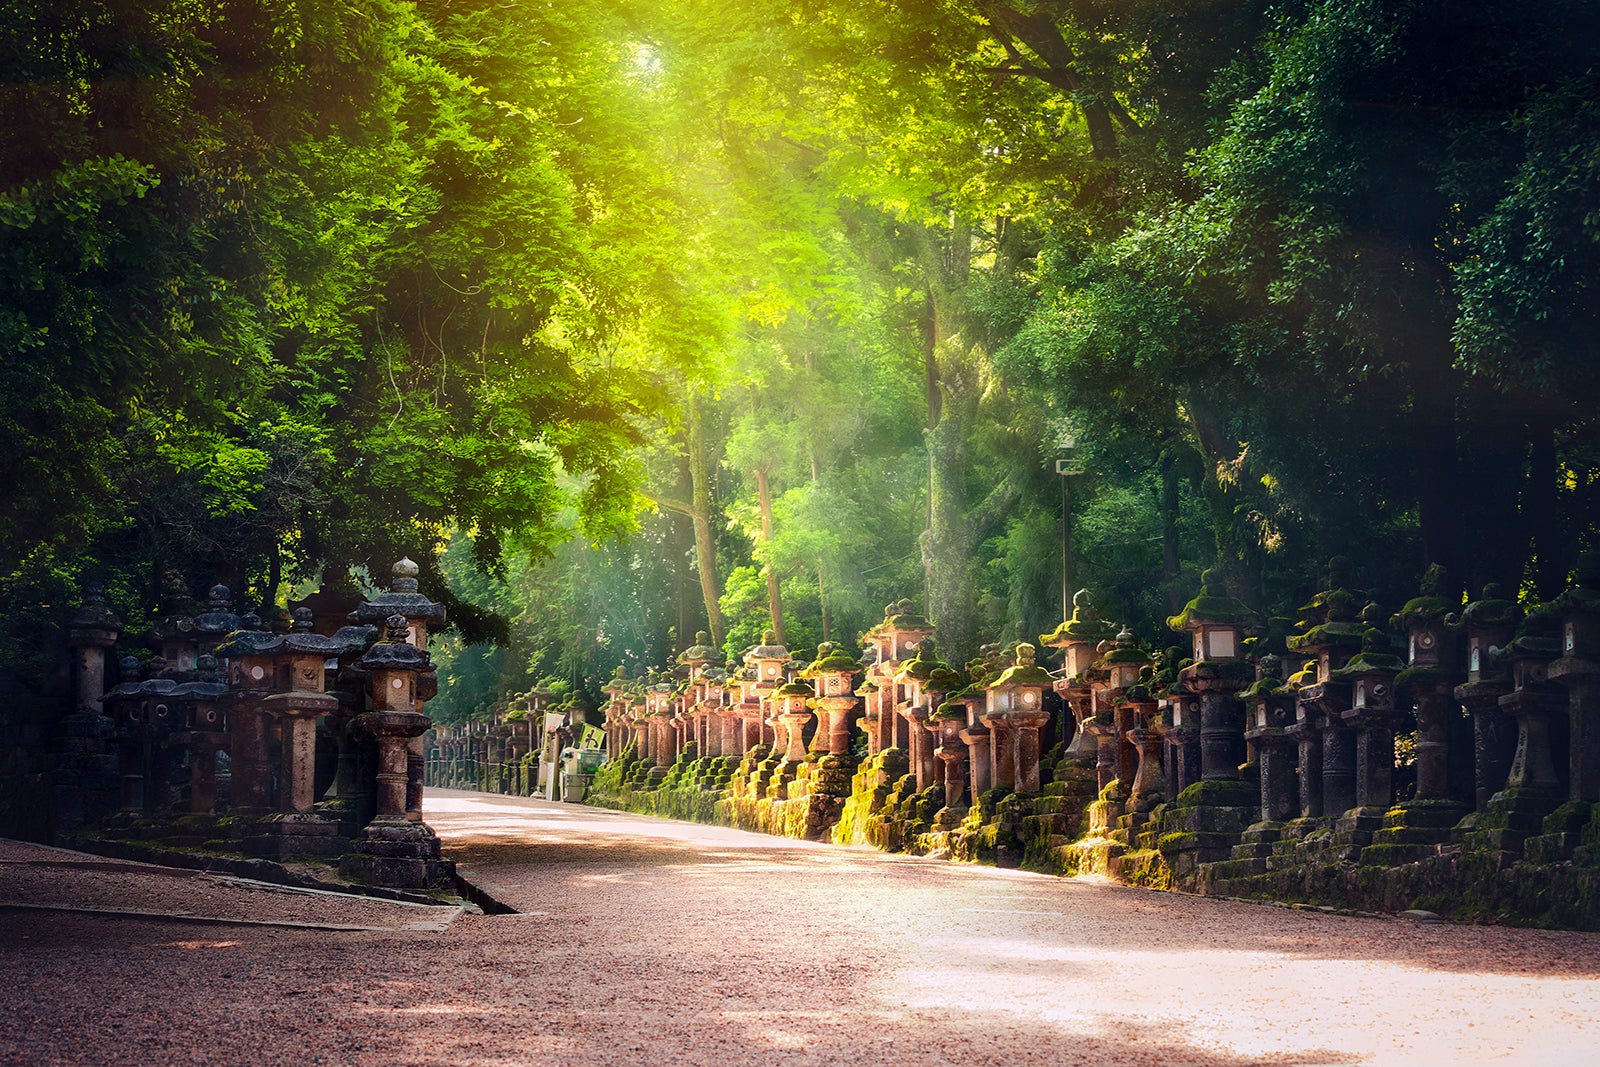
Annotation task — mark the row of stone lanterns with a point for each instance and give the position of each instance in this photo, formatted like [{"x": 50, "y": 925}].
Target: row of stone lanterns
[{"x": 226, "y": 684}]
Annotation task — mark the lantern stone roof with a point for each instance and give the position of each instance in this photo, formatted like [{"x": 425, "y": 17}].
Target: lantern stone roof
[
  {"x": 944, "y": 679},
  {"x": 1372, "y": 657},
  {"x": 95, "y": 614},
  {"x": 923, "y": 664},
  {"x": 1585, "y": 595},
  {"x": 794, "y": 689},
  {"x": 1539, "y": 636},
  {"x": 1126, "y": 651},
  {"x": 1428, "y": 606},
  {"x": 1490, "y": 609},
  {"x": 218, "y": 618},
  {"x": 831, "y": 658},
  {"x": 699, "y": 652},
  {"x": 1025, "y": 671},
  {"x": 402, "y": 598},
  {"x": 1212, "y": 605},
  {"x": 395, "y": 651},
  {"x": 1085, "y": 625},
  {"x": 902, "y": 615},
  {"x": 768, "y": 648},
  {"x": 950, "y": 709}
]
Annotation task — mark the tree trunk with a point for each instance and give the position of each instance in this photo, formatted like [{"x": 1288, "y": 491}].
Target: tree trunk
[
  {"x": 704, "y": 550},
  {"x": 1171, "y": 565},
  {"x": 774, "y": 595}
]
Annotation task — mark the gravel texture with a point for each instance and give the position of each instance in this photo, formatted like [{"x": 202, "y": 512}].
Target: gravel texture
[{"x": 654, "y": 942}]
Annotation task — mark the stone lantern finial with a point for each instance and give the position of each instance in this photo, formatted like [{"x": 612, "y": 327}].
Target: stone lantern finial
[
  {"x": 302, "y": 621},
  {"x": 405, "y": 573}
]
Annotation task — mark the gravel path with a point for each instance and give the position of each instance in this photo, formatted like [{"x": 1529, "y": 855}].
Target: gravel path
[{"x": 654, "y": 942}]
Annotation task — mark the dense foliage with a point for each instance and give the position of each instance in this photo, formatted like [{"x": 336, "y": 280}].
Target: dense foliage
[{"x": 288, "y": 287}]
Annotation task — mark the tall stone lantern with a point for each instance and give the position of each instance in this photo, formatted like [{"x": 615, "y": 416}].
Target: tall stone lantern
[
  {"x": 393, "y": 849},
  {"x": 1215, "y": 622},
  {"x": 1532, "y": 789},
  {"x": 789, "y": 714},
  {"x": 1078, "y": 638},
  {"x": 1018, "y": 694},
  {"x": 1428, "y": 684},
  {"x": 419, "y": 612},
  {"x": 1373, "y": 715},
  {"x": 1331, "y": 635},
  {"x": 1488, "y": 624},
  {"x": 1578, "y": 670},
  {"x": 833, "y": 673}
]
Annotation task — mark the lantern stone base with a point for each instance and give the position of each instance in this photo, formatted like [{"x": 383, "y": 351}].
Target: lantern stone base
[
  {"x": 1513, "y": 816},
  {"x": 1412, "y": 831},
  {"x": 400, "y": 854},
  {"x": 288, "y": 836},
  {"x": 1561, "y": 833}
]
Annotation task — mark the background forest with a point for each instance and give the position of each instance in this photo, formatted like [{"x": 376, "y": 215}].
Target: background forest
[{"x": 628, "y": 318}]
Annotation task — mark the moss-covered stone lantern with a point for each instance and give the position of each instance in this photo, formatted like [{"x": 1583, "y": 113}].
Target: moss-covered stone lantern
[
  {"x": 697, "y": 655},
  {"x": 768, "y": 659},
  {"x": 1078, "y": 638},
  {"x": 1373, "y": 715},
  {"x": 1269, "y": 712},
  {"x": 1578, "y": 670},
  {"x": 1017, "y": 694},
  {"x": 1487, "y": 625},
  {"x": 1532, "y": 789},
  {"x": 914, "y": 707},
  {"x": 833, "y": 673},
  {"x": 1330, "y": 634},
  {"x": 790, "y": 716},
  {"x": 1216, "y": 624}
]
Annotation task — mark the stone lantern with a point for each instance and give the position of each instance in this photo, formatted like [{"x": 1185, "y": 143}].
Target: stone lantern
[
  {"x": 889, "y": 643},
  {"x": 1488, "y": 625},
  {"x": 87, "y": 771},
  {"x": 1330, "y": 635},
  {"x": 1018, "y": 695},
  {"x": 833, "y": 673},
  {"x": 1215, "y": 622},
  {"x": 1532, "y": 788},
  {"x": 1180, "y": 715},
  {"x": 1269, "y": 712},
  {"x": 419, "y": 612},
  {"x": 616, "y": 691},
  {"x": 1078, "y": 637},
  {"x": 251, "y": 678},
  {"x": 173, "y": 636},
  {"x": 142, "y": 711},
  {"x": 1120, "y": 665},
  {"x": 1428, "y": 684},
  {"x": 394, "y": 849},
  {"x": 1578, "y": 670},
  {"x": 1373, "y": 715},
  {"x": 789, "y": 714},
  {"x": 205, "y": 731},
  {"x": 298, "y": 699},
  {"x": 913, "y": 708}
]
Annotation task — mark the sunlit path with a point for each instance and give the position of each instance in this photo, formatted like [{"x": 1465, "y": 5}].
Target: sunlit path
[{"x": 725, "y": 937}]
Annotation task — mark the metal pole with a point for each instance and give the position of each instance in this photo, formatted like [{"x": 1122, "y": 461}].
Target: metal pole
[{"x": 1066, "y": 551}]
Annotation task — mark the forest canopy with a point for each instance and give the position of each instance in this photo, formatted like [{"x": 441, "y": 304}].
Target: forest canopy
[{"x": 630, "y": 318}]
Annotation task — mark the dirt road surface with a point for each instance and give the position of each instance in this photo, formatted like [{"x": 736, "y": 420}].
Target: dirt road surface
[{"x": 650, "y": 942}]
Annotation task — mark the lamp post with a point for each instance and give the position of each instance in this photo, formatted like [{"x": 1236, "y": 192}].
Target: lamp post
[{"x": 1065, "y": 469}]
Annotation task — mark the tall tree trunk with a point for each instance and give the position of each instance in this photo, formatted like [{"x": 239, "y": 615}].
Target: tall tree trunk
[
  {"x": 1171, "y": 565},
  {"x": 1539, "y": 515},
  {"x": 704, "y": 550},
  {"x": 774, "y": 594},
  {"x": 822, "y": 601}
]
